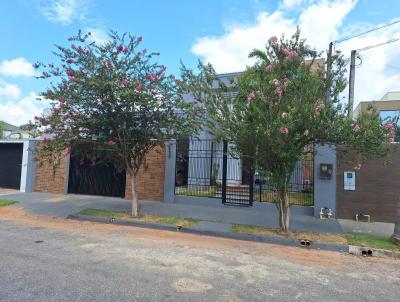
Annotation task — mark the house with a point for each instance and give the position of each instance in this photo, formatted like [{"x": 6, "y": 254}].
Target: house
[
  {"x": 388, "y": 106},
  {"x": 13, "y": 132}
]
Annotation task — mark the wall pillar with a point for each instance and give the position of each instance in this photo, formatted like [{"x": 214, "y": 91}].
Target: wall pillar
[
  {"x": 169, "y": 179},
  {"x": 324, "y": 189}
]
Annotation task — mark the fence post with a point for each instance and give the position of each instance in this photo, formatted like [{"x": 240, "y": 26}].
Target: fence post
[
  {"x": 251, "y": 186},
  {"x": 224, "y": 169}
]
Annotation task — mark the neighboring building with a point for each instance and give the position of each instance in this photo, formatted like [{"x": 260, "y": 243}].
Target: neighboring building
[
  {"x": 13, "y": 132},
  {"x": 388, "y": 106}
]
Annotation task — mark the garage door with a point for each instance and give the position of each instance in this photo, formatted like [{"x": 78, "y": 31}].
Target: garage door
[
  {"x": 10, "y": 165},
  {"x": 101, "y": 179}
]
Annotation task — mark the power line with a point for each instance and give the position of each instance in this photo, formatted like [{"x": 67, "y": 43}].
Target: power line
[
  {"x": 366, "y": 32},
  {"x": 377, "y": 45}
]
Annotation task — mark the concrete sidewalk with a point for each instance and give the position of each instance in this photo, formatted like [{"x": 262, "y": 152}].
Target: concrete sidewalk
[{"x": 65, "y": 205}]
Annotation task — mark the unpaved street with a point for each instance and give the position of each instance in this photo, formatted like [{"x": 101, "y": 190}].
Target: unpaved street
[{"x": 52, "y": 259}]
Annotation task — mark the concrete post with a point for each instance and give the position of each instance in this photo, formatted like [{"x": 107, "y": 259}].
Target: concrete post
[
  {"x": 324, "y": 189},
  {"x": 169, "y": 180}
]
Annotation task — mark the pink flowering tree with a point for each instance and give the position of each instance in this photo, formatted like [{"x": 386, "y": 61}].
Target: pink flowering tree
[
  {"x": 275, "y": 112},
  {"x": 111, "y": 103}
]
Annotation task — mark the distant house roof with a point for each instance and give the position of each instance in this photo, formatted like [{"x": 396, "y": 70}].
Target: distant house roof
[
  {"x": 9, "y": 127},
  {"x": 391, "y": 96}
]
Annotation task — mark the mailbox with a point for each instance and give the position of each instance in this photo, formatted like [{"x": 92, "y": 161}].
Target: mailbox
[
  {"x": 325, "y": 171},
  {"x": 349, "y": 180}
]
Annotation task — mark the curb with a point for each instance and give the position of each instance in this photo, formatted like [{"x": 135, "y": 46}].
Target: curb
[
  {"x": 372, "y": 252},
  {"x": 221, "y": 234}
]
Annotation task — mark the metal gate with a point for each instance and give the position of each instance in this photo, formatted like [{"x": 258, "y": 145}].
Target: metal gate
[
  {"x": 10, "y": 165},
  {"x": 100, "y": 179},
  {"x": 206, "y": 168}
]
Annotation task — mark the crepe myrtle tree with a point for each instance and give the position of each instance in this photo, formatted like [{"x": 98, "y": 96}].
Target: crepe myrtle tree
[
  {"x": 274, "y": 113},
  {"x": 110, "y": 103}
]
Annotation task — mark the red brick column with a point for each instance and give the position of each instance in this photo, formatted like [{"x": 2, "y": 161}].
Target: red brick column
[
  {"x": 53, "y": 181},
  {"x": 150, "y": 179}
]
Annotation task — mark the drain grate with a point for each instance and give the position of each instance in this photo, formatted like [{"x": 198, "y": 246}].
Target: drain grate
[{"x": 39, "y": 241}]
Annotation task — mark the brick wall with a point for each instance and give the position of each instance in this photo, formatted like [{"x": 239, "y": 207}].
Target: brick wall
[
  {"x": 377, "y": 190},
  {"x": 150, "y": 179},
  {"x": 50, "y": 181}
]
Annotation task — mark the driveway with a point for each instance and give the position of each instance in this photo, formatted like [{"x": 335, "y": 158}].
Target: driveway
[{"x": 54, "y": 259}]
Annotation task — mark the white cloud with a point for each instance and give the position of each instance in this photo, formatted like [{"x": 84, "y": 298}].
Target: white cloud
[
  {"x": 16, "y": 67},
  {"x": 289, "y": 4},
  {"x": 65, "y": 11},
  {"x": 9, "y": 91},
  {"x": 98, "y": 35},
  {"x": 320, "y": 22},
  {"x": 21, "y": 111}
]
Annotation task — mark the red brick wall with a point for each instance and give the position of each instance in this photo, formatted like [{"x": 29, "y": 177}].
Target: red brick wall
[
  {"x": 53, "y": 181},
  {"x": 377, "y": 190},
  {"x": 150, "y": 179}
]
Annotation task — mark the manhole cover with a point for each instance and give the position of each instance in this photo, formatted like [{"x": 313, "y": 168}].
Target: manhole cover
[{"x": 38, "y": 241}]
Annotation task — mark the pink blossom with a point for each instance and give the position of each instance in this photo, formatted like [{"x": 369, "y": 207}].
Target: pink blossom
[
  {"x": 148, "y": 76},
  {"x": 319, "y": 107},
  {"x": 278, "y": 92},
  {"x": 275, "y": 82},
  {"x": 109, "y": 64},
  {"x": 356, "y": 128},
  {"x": 138, "y": 87},
  {"x": 36, "y": 158},
  {"x": 171, "y": 76},
  {"x": 126, "y": 49},
  {"x": 69, "y": 61},
  {"x": 283, "y": 130},
  {"x": 140, "y": 38},
  {"x": 110, "y": 142},
  {"x": 120, "y": 48},
  {"x": 388, "y": 126},
  {"x": 273, "y": 40},
  {"x": 251, "y": 97},
  {"x": 70, "y": 72},
  {"x": 284, "y": 114},
  {"x": 286, "y": 52},
  {"x": 122, "y": 83},
  {"x": 269, "y": 68}
]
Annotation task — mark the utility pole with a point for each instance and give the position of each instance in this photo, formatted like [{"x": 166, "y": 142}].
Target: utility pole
[
  {"x": 328, "y": 74},
  {"x": 351, "y": 82}
]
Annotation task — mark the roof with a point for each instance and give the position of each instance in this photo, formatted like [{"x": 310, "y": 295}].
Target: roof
[
  {"x": 391, "y": 96},
  {"x": 9, "y": 127}
]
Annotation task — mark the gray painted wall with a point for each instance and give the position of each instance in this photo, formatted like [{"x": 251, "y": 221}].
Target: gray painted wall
[{"x": 324, "y": 189}]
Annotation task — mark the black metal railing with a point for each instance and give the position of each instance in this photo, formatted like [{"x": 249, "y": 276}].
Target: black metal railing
[{"x": 205, "y": 168}]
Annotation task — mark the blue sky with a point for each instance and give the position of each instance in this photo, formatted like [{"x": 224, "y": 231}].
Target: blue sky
[{"x": 221, "y": 32}]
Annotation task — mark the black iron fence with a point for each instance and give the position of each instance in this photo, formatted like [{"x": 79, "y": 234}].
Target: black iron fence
[{"x": 205, "y": 168}]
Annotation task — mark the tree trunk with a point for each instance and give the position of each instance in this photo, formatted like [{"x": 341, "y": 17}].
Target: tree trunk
[
  {"x": 135, "y": 204},
  {"x": 396, "y": 234},
  {"x": 283, "y": 207}
]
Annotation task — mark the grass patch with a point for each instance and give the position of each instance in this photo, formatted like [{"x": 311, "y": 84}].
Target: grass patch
[
  {"x": 6, "y": 202},
  {"x": 372, "y": 241},
  {"x": 314, "y": 237},
  {"x": 171, "y": 220},
  {"x": 199, "y": 192}
]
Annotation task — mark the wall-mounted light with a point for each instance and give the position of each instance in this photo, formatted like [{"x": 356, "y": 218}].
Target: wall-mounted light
[{"x": 325, "y": 171}]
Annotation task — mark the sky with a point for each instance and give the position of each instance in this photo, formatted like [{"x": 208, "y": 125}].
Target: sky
[{"x": 221, "y": 32}]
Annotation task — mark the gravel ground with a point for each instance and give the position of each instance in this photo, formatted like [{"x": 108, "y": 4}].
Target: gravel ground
[{"x": 53, "y": 259}]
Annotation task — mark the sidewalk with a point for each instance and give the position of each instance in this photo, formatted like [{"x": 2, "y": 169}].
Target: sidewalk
[{"x": 213, "y": 217}]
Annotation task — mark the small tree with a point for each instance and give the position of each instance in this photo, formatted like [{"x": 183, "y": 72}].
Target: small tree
[
  {"x": 111, "y": 103},
  {"x": 278, "y": 113},
  {"x": 1, "y": 130}
]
